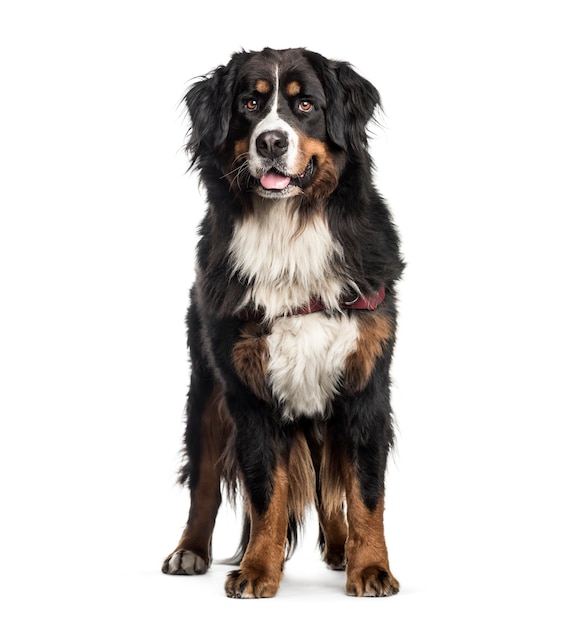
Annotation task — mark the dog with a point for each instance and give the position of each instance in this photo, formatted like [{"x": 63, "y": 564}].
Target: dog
[{"x": 292, "y": 321}]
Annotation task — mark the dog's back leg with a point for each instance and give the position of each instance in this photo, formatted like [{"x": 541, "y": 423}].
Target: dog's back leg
[
  {"x": 206, "y": 437},
  {"x": 208, "y": 429}
]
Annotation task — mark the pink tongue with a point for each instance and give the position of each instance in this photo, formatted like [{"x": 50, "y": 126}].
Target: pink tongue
[{"x": 272, "y": 180}]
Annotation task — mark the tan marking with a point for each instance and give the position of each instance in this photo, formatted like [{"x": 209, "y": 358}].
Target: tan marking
[
  {"x": 293, "y": 88},
  {"x": 367, "y": 570},
  {"x": 261, "y": 567},
  {"x": 250, "y": 358},
  {"x": 374, "y": 331},
  {"x": 236, "y": 162},
  {"x": 263, "y": 86},
  {"x": 241, "y": 147},
  {"x": 205, "y": 501},
  {"x": 326, "y": 173}
]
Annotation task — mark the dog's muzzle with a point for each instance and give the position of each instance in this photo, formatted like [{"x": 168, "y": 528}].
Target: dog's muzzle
[{"x": 273, "y": 177}]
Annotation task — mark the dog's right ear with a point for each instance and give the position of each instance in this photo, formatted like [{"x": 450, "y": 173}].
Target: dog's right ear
[
  {"x": 209, "y": 104},
  {"x": 351, "y": 103}
]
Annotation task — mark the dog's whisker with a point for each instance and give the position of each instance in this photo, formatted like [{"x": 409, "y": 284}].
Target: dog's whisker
[
  {"x": 241, "y": 173},
  {"x": 237, "y": 173},
  {"x": 232, "y": 171}
]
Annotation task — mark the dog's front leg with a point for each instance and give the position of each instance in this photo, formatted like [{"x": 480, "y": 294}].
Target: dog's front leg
[
  {"x": 262, "y": 455},
  {"x": 368, "y": 571},
  {"x": 262, "y": 566}
]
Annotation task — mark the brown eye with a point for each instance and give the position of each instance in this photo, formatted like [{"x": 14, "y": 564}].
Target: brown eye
[
  {"x": 252, "y": 104},
  {"x": 305, "y": 105}
]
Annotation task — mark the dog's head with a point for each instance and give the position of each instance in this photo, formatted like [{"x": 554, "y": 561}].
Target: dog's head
[{"x": 280, "y": 123}]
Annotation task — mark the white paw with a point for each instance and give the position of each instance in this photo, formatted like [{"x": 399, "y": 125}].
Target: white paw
[{"x": 184, "y": 562}]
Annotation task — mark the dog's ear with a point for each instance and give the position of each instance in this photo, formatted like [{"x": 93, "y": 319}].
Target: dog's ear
[
  {"x": 209, "y": 104},
  {"x": 351, "y": 103}
]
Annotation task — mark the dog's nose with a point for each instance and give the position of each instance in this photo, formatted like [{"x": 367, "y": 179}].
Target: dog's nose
[{"x": 272, "y": 144}]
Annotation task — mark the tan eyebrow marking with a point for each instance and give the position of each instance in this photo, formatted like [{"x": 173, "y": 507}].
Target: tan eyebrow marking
[
  {"x": 262, "y": 86},
  {"x": 293, "y": 88}
]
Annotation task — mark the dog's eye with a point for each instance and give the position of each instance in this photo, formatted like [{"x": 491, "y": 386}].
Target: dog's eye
[
  {"x": 305, "y": 105},
  {"x": 251, "y": 104}
]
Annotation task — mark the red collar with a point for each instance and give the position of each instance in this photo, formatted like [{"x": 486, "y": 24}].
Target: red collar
[{"x": 363, "y": 303}]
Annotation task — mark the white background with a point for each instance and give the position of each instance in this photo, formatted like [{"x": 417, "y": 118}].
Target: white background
[{"x": 98, "y": 224}]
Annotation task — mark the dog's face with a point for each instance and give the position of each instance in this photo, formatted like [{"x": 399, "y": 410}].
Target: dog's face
[
  {"x": 278, "y": 128},
  {"x": 280, "y": 123}
]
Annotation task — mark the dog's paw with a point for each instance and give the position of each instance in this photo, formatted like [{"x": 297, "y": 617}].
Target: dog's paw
[
  {"x": 335, "y": 559},
  {"x": 373, "y": 582},
  {"x": 252, "y": 583},
  {"x": 184, "y": 562}
]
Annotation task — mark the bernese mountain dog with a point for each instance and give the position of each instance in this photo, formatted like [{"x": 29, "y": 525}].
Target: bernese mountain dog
[{"x": 292, "y": 321}]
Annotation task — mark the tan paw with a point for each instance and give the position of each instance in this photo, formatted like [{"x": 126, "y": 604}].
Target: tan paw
[
  {"x": 252, "y": 583},
  {"x": 372, "y": 581}
]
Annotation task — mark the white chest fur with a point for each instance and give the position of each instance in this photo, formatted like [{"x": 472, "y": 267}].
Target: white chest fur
[
  {"x": 307, "y": 358},
  {"x": 285, "y": 263}
]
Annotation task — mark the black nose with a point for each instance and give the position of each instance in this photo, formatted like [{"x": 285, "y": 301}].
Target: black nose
[{"x": 272, "y": 144}]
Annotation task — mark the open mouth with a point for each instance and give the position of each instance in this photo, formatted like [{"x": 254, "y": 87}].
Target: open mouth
[{"x": 276, "y": 182}]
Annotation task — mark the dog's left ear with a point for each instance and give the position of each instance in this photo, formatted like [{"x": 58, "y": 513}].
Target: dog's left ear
[
  {"x": 209, "y": 104},
  {"x": 351, "y": 103}
]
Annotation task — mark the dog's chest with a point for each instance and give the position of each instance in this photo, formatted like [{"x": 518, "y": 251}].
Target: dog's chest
[
  {"x": 307, "y": 356},
  {"x": 284, "y": 264}
]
